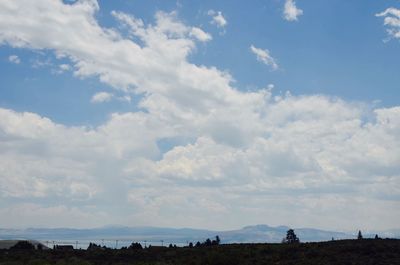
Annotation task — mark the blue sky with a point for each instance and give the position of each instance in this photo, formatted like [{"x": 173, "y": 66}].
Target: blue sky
[
  {"x": 337, "y": 49},
  {"x": 130, "y": 111}
]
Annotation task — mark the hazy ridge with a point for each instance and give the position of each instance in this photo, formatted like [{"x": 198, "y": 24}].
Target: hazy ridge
[{"x": 248, "y": 234}]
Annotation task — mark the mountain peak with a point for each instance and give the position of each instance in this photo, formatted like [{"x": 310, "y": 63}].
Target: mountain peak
[{"x": 259, "y": 227}]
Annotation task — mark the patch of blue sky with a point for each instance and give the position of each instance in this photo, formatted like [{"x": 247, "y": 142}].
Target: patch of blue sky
[{"x": 37, "y": 85}]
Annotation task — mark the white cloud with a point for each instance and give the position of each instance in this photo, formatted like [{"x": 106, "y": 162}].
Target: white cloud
[
  {"x": 61, "y": 69},
  {"x": 64, "y": 67},
  {"x": 14, "y": 59},
  {"x": 297, "y": 151},
  {"x": 101, "y": 97},
  {"x": 217, "y": 18},
  {"x": 200, "y": 34},
  {"x": 197, "y": 151},
  {"x": 42, "y": 63},
  {"x": 296, "y": 148},
  {"x": 392, "y": 21},
  {"x": 291, "y": 12},
  {"x": 264, "y": 57}
]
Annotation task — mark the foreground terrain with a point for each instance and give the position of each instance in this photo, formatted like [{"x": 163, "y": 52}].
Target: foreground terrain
[{"x": 366, "y": 251}]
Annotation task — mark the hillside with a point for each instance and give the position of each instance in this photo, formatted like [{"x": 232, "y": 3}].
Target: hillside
[{"x": 363, "y": 252}]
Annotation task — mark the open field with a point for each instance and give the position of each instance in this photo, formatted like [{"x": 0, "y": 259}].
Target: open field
[{"x": 367, "y": 251}]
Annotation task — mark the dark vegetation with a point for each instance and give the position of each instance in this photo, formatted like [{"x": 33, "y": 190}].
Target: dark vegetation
[
  {"x": 361, "y": 251},
  {"x": 291, "y": 237},
  {"x": 23, "y": 245}
]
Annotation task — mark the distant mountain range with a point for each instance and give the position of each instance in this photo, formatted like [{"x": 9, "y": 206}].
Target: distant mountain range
[{"x": 248, "y": 234}]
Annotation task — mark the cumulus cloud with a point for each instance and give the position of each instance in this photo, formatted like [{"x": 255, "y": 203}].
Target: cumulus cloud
[
  {"x": 217, "y": 18},
  {"x": 107, "y": 54},
  {"x": 264, "y": 57},
  {"x": 296, "y": 149},
  {"x": 14, "y": 59},
  {"x": 392, "y": 21},
  {"x": 101, "y": 97},
  {"x": 197, "y": 151},
  {"x": 290, "y": 11}
]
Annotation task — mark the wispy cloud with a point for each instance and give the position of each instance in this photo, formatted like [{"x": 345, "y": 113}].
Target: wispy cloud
[
  {"x": 64, "y": 67},
  {"x": 61, "y": 68},
  {"x": 14, "y": 59},
  {"x": 101, "y": 97},
  {"x": 392, "y": 21},
  {"x": 291, "y": 12},
  {"x": 264, "y": 57},
  {"x": 217, "y": 18},
  {"x": 200, "y": 34}
]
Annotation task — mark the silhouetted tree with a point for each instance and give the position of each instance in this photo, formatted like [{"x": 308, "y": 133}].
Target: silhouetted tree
[
  {"x": 359, "y": 236},
  {"x": 216, "y": 241},
  {"x": 170, "y": 246},
  {"x": 198, "y": 244},
  {"x": 190, "y": 245},
  {"x": 208, "y": 242},
  {"x": 291, "y": 237},
  {"x": 376, "y": 236},
  {"x": 93, "y": 246},
  {"x": 135, "y": 246}
]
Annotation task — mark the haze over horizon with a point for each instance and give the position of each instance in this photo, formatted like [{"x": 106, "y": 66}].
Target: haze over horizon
[{"x": 200, "y": 114}]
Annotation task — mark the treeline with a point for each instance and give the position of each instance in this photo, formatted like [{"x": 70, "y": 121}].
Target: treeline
[
  {"x": 206, "y": 243},
  {"x": 354, "y": 252},
  {"x": 137, "y": 246},
  {"x": 291, "y": 238},
  {"x": 27, "y": 245}
]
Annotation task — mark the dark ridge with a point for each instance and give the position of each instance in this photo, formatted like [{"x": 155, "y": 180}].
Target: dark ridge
[{"x": 362, "y": 252}]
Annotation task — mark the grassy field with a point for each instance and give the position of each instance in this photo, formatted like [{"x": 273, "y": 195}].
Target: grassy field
[{"x": 363, "y": 252}]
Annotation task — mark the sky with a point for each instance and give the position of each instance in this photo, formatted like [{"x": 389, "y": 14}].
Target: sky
[{"x": 202, "y": 114}]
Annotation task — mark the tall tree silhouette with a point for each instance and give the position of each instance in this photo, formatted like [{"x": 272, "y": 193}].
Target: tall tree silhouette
[
  {"x": 218, "y": 240},
  {"x": 291, "y": 237},
  {"x": 359, "y": 236}
]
